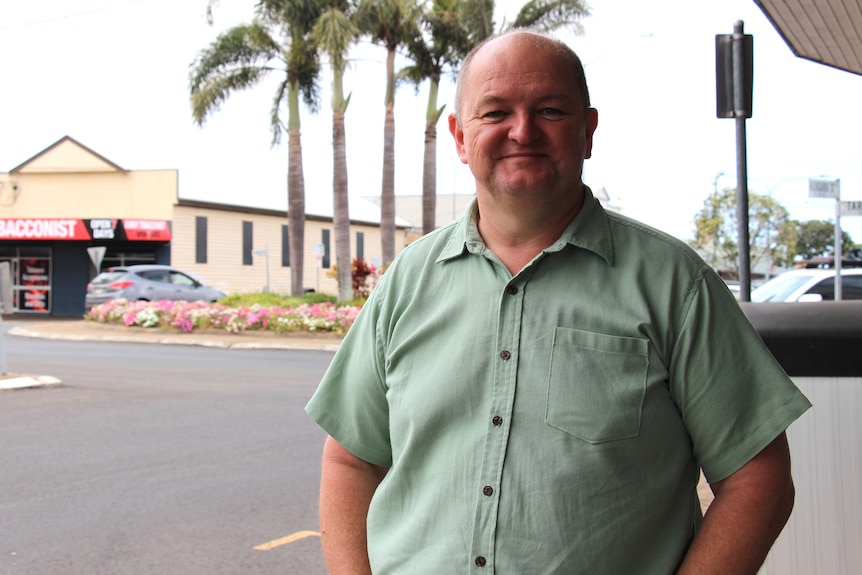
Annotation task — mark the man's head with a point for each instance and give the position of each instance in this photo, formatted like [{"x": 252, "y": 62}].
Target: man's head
[
  {"x": 523, "y": 122},
  {"x": 577, "y": 68}
]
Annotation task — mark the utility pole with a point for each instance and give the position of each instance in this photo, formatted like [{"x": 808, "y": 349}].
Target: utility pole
[{"x": 734, "y": 65}]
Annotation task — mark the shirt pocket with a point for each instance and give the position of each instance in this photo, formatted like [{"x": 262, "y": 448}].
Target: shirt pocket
[{"x": 596, "y": 385}]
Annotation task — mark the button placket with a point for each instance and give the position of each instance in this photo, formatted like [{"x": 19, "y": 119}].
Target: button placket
[{"x": 491, "y": 473}]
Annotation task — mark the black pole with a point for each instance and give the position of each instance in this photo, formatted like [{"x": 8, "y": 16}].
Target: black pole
[{"x": 740, "y": 113}]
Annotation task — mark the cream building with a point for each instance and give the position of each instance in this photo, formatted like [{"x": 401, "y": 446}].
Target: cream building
[{"x": 68, "y": 211}]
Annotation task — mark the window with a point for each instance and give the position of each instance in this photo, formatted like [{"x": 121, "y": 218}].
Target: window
[
  {"x": 326, "y": 253},
  {"x": 200, "y": 240},
  {"x": 360, "y": 245},
  {"x": 247, "y": 243},
  {"x": 285, "y": 246},
  {"x": 851, "y": 287},
  {"x": 156, "y": 275},
  {"x": 182, "y": 279}
]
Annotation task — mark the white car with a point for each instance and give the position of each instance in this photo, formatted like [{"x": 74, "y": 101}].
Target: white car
[{"x": 810, "y": 284}]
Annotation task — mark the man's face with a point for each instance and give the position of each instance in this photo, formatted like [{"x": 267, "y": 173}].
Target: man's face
[{"x": 524, "y": 126}]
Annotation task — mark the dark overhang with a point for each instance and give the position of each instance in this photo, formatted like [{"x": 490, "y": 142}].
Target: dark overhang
[{"x": 828, "y": 32}]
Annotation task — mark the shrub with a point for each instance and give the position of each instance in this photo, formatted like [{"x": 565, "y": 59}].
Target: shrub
[{"x": 323, "y": 316}]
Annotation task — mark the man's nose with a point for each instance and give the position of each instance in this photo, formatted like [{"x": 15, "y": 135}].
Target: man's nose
[{"x": 523, "y": 128}]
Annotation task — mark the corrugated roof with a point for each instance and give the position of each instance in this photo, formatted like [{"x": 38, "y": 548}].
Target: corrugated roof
[{"x": 828, "y": 32}]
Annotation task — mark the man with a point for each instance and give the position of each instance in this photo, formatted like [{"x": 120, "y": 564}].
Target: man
[{"x": 534, "y": 388}]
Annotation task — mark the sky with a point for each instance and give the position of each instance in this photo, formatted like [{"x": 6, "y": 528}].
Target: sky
[{"x": 113, "y": 74}]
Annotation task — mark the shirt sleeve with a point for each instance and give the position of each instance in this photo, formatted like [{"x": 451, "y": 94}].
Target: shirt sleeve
[
  {"x": 734, "y": 396},
  {"x": 350, "y": 403}
]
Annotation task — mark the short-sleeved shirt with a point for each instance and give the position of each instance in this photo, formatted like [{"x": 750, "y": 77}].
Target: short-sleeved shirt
[{"x": 554, "y": 421}]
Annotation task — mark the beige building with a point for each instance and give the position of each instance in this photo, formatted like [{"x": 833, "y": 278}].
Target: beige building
[{"x": 68, "y": 211}]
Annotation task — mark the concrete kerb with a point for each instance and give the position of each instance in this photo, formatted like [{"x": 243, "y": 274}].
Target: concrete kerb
[
  {"x": 80, "y": 330},
  {"x": 12, "y": 382}
]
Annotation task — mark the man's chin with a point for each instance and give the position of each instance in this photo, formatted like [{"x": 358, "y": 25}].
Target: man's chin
[{"x": 524, "y": 184}]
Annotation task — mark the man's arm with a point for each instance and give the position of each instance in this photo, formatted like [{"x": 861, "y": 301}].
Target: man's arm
[
  {"x": 749, "y": 511},
  {"x": 347, "y": 484}
]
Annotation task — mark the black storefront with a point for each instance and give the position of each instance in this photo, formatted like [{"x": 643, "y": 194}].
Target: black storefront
[{"x": 52, "y": 259}]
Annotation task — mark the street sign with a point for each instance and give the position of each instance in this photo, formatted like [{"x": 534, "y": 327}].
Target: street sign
[
  {"x": 258, "y": 252},
  {"x": 97, "y": 253},
  {"x": 823, "y": 188},
  {"x": 851, "y": 208}
]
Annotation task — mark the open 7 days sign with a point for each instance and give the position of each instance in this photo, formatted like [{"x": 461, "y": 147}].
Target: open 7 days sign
[{"x": 94, "y": 229}]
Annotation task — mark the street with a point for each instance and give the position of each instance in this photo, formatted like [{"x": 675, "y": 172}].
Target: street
[{"x": 155, "y": 459}]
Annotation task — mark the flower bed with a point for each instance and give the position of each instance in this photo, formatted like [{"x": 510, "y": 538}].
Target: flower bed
[{"x": 191, "y": 316}]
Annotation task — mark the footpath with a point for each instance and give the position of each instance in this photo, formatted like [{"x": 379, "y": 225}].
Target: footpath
[{"x": 81, "y": 330}]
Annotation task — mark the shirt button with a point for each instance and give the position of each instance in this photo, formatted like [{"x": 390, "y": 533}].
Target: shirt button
[
  {"x": 512, "y": 290},
  {"x": 488, "y": 490},
  {"x": 505, "y": 355},
  {"x": 480, "y": 561},
  {"x": 497, "y": 420}
]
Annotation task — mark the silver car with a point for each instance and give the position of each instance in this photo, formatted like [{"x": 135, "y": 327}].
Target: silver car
[{"x": 147, "y": 282}]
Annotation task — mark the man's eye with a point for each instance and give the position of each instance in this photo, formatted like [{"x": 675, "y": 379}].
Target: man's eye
[
  {"x": 494, "y": 115},
  {"x": 551, "y": 112}
]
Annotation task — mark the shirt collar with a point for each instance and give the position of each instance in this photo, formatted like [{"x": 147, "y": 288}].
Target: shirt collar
[{"x": 590, "y": 230}]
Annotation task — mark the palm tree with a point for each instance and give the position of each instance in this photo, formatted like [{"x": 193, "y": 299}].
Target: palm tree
[
  {"x": 391, "y": 23},
  {"x": 334, "y": 32},
  {"x": 451, "y": 29},
  {"x": 277, "y": 40}
]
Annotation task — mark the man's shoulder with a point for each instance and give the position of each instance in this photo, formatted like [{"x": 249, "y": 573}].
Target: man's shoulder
[
  {"x": 434, "y": 243},
  {"x": 630, "y": 234}
]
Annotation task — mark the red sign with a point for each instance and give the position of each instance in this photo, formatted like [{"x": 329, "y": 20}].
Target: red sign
[
  {"x": 147, "y": 230},
  {"x": 95, "y": 229},
  {"x": 43, "y": 229},
  {"x": 34, "y": 279}
]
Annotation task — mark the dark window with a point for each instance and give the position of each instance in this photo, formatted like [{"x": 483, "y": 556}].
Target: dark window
[
  {"x": 200, "y": 240},
  {"x": 360, "y": 245},
  {"x": 325, "y": 241},
  {"x": 285, "y": 246},
  {"x": 851, "y": 288},
  {"x": 247, "y": 242}
]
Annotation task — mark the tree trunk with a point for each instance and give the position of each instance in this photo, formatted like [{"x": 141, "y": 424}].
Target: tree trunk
[
  {"x": 341, "y": 212},
  {"x": 387, "y": 195},
  {"x": 295, "y": 211},
  {"x": 429, "y": 180}
]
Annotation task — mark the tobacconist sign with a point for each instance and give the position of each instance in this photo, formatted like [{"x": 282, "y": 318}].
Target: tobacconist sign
[{"x": 93, "y": 229}]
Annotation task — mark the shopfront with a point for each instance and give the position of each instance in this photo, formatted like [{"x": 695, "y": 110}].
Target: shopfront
[{"x": 52, "y": 259}]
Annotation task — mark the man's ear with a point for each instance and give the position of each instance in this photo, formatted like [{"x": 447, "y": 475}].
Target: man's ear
[
  {"x": 458, "y": 134},
  {"x": 591, "y": 122}
]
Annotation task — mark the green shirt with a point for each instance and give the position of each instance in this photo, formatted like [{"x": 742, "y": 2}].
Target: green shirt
[{"x": 554, "y": 421}]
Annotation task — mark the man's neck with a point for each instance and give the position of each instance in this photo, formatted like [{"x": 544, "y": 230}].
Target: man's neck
[{"x": 517, "y": 234}]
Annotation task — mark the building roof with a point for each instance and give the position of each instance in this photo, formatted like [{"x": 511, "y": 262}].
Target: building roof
[
  {"x": 361, "y": 211},
  {"x": 66, "y": 155},
  {"x": 828, "y": 32}
]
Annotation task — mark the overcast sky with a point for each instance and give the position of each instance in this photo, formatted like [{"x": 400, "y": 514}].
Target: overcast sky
[{"x": 113, "y": 74}]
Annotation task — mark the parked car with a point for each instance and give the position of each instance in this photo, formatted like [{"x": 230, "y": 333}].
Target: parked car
[
  {"x": 811, "y": 284},
  {"x": 147, "y": 282}
]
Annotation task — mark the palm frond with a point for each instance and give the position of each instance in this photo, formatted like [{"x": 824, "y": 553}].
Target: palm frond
[{"x": 548, "y": 15}]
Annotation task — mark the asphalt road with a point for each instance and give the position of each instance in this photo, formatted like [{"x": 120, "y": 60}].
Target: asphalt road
[{"x": 157, "y": 459}]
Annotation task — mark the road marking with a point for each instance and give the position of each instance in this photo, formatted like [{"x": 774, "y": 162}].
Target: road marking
[{"x": 285, "y": 540}]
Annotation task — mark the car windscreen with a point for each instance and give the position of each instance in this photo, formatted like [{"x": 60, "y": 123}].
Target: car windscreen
[{"x": 779, "y": 289}]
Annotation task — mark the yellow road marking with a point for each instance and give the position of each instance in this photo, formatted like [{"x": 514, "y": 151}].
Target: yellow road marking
[{"x": 285, "y": 540}]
